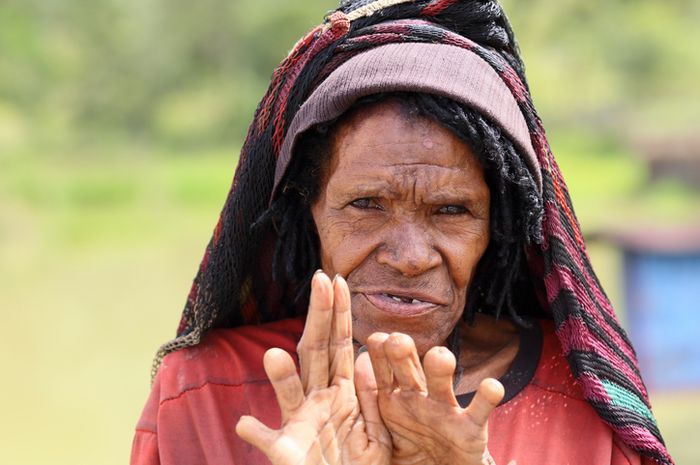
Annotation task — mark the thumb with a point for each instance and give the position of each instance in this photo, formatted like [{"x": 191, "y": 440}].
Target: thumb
[
  {"x": 252, "y": 431},
  {"x": 487, "y": 397}
]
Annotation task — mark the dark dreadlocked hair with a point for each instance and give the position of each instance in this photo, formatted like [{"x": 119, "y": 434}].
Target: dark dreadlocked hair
[{"x": 501, "y": 279}]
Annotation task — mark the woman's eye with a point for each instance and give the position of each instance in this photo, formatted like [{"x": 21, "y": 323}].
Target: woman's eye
[
  {"x": 452, "y": 210},
  {"x": 365, "y": 203}
]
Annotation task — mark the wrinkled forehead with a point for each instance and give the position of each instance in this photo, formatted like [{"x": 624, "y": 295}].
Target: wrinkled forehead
[
  {"x": 386, "y": 148},
  {"x": 444, "y": 70},
  {"x": 394, "y": 120}
]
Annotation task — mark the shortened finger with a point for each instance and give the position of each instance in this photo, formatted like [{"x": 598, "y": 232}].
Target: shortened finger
[
  {"x": 487, "y": 398},
  {"x": 380, "y": 365},
  {"x": 342, "y": 353},
  {"x": 366, "y": 387},
  {"x": 405, "y": 364},
  {"x": 282, "y": 373},
  {"x": 439, "y": 366},
  {"x": 313, "y": 346}
]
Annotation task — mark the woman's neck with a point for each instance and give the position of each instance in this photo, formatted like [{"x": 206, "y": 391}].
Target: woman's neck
[{"x": 487, "y": 350}]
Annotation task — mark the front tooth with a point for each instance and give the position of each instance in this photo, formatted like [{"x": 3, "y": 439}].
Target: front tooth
[
  {"x": 398, "y": 299},
  {"x": 415, "y": 301}
]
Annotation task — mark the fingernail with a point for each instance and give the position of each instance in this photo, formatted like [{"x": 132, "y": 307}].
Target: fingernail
[
  {"x": 361, "y": 349},
  {"x": 335, "y": 277},
  {"x": 318, "y": 271}
]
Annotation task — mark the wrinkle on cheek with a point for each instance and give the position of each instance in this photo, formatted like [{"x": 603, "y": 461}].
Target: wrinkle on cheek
[
  {"x": 480, "y": 233},
  {"x": 345, "y": 242},
  {"x": 339, "y": 223}
]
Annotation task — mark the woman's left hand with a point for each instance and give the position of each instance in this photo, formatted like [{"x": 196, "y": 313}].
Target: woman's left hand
[{"x": 418, "y": 405}]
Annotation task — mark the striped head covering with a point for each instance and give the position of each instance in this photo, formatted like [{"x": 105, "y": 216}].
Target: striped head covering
[{"x": 227, "y": 290}]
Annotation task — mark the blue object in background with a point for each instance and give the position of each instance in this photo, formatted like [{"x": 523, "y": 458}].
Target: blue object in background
[{"x": 663, "y": 301}]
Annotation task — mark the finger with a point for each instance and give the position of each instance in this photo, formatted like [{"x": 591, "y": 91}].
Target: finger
[
  {"x": 405, "y": 364},
  {"x": 342, "y": 353},
  {"x": 282, "y": 373},
  {"x": 380, "y": 365},
  {"x": 366, "y": 387},
  {"x": 252, "y": 431},
  {"x": 439, "y": 365},
  {"x": 313, "y": 346},
  {"x": 487, "y": 398}
]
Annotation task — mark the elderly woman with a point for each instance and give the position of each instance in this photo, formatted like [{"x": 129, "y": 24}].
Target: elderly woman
[{"x": 398, "y": 152}]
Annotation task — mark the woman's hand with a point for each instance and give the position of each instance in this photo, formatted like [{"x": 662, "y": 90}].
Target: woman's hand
[
  {"x": 321, "y": 418},
  {"x": 418, "y": 405}
]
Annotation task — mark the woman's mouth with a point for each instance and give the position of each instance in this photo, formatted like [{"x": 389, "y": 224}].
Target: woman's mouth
[{"x": 406, "y": 305}]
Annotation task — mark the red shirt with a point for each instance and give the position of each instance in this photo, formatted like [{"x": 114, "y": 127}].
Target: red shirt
[{"x": 200, "y": 393}]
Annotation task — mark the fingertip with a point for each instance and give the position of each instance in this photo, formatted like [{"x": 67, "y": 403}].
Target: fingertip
[
  {"x": 321, "y": 288},
  {"x": 278, "y": 364},
  {"x": 244, "y": 426},
  {"x": 341, "y": 290},
  {"x": 397, "y": 336},
  {"x": 440, "y": 361},
  {"x": 320, "y": 278},
  {"x": 399, "y": 345},
  {"x": 492, "y": 390},
  {"x": 252, "y": 431},
  {"x": 400, "y": 338},
  {"x": 488, "y": 396},
  {"x": 339, "y": 283},
  {"x": 240, "y": 424},
  {"x": 376, "y": 339},
  {"x": 274, "y": 354}
]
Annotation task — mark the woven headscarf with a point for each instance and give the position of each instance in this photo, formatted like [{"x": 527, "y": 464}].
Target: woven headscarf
[{"x": 233, "y": 286}]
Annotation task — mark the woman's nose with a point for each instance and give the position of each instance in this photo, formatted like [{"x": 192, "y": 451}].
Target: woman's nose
[{"x": 409, "y": 249}]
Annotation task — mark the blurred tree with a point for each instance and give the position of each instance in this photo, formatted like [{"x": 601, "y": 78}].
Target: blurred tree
[{"x": 192, "y": 72}]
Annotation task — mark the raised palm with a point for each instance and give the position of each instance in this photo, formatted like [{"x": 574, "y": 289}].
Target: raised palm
[
  {"x": 324, "y": 419},
  {"x": 418, "y": 405}
]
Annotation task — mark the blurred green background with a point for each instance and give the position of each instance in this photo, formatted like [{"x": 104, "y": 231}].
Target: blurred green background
[{"x": 120, "y": 124}]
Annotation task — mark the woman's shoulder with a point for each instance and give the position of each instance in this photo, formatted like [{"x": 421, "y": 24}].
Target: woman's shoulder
[{"x": 226, "y": 357}]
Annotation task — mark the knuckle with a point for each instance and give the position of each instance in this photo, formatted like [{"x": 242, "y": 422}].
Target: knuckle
[
  {"x": 400, "y": 338},
  {"x": 314, "y": 346},
  {"x": 377, "y": 338}
]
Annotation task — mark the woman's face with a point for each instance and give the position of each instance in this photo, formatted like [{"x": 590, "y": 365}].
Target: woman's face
[{"x": 404, "y": 217}]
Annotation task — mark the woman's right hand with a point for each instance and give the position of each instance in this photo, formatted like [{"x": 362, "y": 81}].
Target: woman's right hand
[{"x": 324, "y": 420}]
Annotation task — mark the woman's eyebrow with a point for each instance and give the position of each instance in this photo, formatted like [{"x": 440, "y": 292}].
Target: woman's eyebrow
[
  {"x": 367, "y": 185},
  {"x": 456, "y": 195},
  {"x": 367, "y": 190},
  {"x": 358, "y": 187}
]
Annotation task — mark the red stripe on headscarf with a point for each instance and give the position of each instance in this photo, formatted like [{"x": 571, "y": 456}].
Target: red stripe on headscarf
[{"x": 437, "y": 7}]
